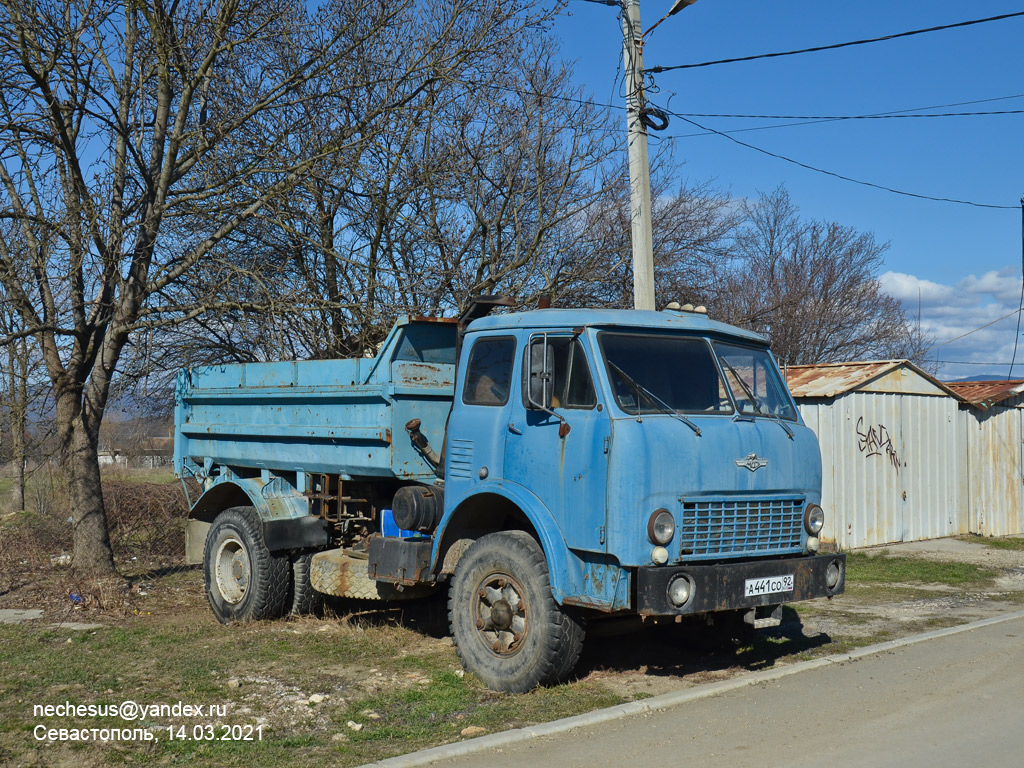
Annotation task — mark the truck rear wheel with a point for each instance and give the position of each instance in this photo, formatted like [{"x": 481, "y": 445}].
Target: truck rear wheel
[
  {"x": 303, "y": 599},
  {"x": 244, "y": 580},
  {"x": 507, "y": 627}
]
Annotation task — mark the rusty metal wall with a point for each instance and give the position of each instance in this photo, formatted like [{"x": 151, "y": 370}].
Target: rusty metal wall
[
  {"x": 995, "y": 469},
  {"x": 892, "y": 467}
]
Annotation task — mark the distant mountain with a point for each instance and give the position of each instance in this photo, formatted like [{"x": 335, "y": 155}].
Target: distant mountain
[{"x": 980, "y": 377}]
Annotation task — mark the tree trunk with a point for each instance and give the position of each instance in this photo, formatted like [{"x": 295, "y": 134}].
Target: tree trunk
[
  {"x": 92, "y": 553},
  {"x": 19, "y": 486},
  {"x": 19, "y": 420}
]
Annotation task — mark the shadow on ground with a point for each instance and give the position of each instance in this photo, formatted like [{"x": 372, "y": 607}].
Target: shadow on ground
[
  {"x": 626, "y": 645},
  {"x": 676, "y": 650}
]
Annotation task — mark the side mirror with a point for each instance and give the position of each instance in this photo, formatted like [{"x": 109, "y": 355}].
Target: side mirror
[{"x": 539, "y": 384}]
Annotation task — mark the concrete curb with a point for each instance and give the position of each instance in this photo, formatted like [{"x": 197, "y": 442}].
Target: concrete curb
[{"x": 667, "y": 700}]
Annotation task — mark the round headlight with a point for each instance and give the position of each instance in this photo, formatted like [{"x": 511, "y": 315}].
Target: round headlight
[
  {"x": 659, "y": 555},
  {"x": 814, "y": 519},
  {"x": 833, "y": 574},
  {"x": 661, "y": 527},
  {"x": 679, "y": 590}
]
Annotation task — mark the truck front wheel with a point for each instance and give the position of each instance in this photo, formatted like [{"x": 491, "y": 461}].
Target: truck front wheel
[
  {"x": 244, "y": 580},
  {"x": 507, "y": 627}
]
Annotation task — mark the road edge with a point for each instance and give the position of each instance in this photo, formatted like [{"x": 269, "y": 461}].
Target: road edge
[{"x": 668, "y": 700}]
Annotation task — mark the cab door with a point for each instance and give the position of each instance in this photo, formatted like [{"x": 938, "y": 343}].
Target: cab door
[
  {"x": 476, "y": 444},
  {"x": 565, "y": 467}
]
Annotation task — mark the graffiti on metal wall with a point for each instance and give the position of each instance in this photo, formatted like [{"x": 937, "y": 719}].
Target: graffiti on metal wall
[{"x": 875, "y": 441}]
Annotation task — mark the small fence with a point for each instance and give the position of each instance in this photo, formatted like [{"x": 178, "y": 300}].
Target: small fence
[{"x": 146, "y": 521}]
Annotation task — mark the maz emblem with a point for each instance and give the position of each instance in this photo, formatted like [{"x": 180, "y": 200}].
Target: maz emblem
[{"x": 752, "y": 462}]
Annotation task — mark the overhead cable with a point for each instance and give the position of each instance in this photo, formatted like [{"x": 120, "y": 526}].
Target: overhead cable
[
  {"x": 836, "y": 175},
  {"x": 817, "y": 48},
  {"x": 881, "y": 116},
  {"x": 973, "y": 331}
]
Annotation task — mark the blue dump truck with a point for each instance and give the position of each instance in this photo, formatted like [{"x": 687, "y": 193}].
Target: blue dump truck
[{"x": 546, "y": 467}]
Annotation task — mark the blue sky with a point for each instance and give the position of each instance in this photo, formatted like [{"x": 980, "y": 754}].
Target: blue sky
[{"x": 963, "y": 261}]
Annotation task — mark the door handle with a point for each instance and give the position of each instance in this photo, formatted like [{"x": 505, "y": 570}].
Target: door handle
[{"x": 514, "y": 429}]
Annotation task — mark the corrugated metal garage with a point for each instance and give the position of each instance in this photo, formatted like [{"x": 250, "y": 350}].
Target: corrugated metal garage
[
  {"x": 892, "y": 449},
  {"x": 992, "y": 415}
]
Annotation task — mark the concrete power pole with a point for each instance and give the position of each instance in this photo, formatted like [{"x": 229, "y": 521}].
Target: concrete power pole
[{"x": 639, "y": 166}]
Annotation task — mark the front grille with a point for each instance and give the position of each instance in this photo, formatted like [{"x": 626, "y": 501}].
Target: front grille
[{"x": 714, "y": 528}]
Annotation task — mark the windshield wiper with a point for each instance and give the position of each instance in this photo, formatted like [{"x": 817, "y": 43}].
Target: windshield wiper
[
  {"x": 652, "y": 398},
  {"x": 753, "y": 401}
]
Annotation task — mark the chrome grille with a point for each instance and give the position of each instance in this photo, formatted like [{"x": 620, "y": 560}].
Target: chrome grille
[{"x": 716, "y": 528}]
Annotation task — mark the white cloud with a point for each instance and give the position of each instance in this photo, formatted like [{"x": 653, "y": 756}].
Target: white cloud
[
  {"x": 1003, "y": 285},
  {"x": 982, "y": 307},
  {"x": 908, "y": 288}
]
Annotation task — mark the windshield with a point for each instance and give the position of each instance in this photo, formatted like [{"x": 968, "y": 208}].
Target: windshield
[
  {"x": 755, "y": 382},
  {"x": 650, "y": 373}
]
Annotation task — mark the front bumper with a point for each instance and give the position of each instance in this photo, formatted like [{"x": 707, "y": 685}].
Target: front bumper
[{"x": 721, "y": 587}]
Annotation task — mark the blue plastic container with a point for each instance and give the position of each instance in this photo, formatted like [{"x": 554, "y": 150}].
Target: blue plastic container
[{"x": 388, "y": 526}]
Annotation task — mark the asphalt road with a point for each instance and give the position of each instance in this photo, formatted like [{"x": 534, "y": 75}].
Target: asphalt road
[{"x": 950, "y": 701}]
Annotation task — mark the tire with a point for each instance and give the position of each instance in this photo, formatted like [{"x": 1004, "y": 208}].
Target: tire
[
  {"x": 507, "y": 628},
  {"x": 244, "y": 580},
  {"x": 303, "y": 599}
]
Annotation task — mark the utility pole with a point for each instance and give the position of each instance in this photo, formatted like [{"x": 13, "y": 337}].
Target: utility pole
[{"x": 639, "y": 166}]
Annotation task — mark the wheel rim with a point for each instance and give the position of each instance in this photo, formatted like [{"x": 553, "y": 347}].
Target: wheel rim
[
  {"x": 500, "y": 614},
  {"x": 231, "y": 570}
]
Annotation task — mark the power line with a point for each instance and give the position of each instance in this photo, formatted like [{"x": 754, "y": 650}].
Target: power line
[
  {"x": 817, "y": 48},
  {"x": 829, "y": 119},
  {"x": 950, "y": 105},
  {"x": 836, "y": 118},
  {"x": 973, "y": 330},
  {"x": 992, "y": 363},
  {"x": 884, "y": 116},
  {"x": 810, "y": 119},
  {"x": 836, "y": 175},
  {"x": 725, "y": 134}
]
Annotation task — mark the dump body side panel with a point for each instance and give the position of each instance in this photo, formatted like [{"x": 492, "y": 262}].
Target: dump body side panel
[{"x": 328, "y": 416}]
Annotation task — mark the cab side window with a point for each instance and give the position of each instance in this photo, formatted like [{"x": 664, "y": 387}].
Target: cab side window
[
  {"x": 489, "y": 372},
  {"x": 571, "y": 383}
]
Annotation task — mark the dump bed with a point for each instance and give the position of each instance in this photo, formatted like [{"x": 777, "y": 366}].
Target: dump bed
[{"x": 337, "y": 416}]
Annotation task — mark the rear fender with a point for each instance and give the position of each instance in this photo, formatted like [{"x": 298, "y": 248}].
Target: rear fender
[{"x": 283, "y": 511}]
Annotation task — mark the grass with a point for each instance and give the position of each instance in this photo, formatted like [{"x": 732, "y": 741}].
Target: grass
[
  {"x": 405, "y": 690},
  {"x": 46, "y": 490},
  {"x": 883, "y": 569},
  {"x": 1013, "y": 544},
  {"x": 158, "y": 475}
]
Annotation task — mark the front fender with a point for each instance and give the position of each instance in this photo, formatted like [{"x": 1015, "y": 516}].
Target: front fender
[{"x": 592, "y": 580}]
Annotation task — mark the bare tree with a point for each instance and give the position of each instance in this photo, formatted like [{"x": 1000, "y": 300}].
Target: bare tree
[
  {"x": 136, "y": 139},
  {"x": 692, "y": 224},
  {"x": 812, "y": 287},
  {"x": 479, "y": 183},
  {"x": 16, "y": 367}
]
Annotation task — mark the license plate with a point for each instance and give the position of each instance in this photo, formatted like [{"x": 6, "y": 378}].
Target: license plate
[{"x": 770, "y": 585}]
